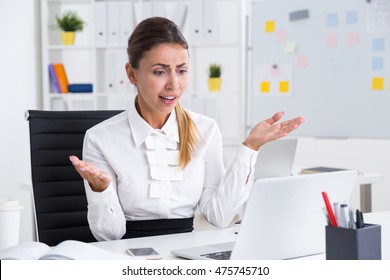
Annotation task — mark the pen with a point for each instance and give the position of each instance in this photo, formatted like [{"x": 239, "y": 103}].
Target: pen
[
  {"x": 336, "y": 209},
  {"x": 344, "y": 216},
  {"x": 352, "y": 224},
  {"x": 359, "y": 219},
  {"x": 332, "y": 218}
]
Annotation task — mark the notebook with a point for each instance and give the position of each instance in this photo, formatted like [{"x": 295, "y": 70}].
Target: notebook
[
  {"x": 276, "y": 158},
  {"x": 283, "y": 218}
]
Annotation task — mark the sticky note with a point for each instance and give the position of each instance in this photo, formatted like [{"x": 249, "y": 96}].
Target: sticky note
[
  {"x": 264, "y": 87},
  {"x": 302, "y": 61},
  {"x": 352, "y": 39},
  {"x": 331, "y": 41},
  {"x": 351, "y": 17},
  {"x": 269, "y": 26},
  {"x": 297, "y": 15},
  {"x": 283, "y": 86},
  {"x": 275, "y": 70},
  {"x": 290, "y": 47},
  {"x": 377, "y": 83},
  {"x": 280, "y": 36},
  {"x": 377, "y": 63},
  {"x": 332, "y": 20},
  {"x": 378, "y": 44}
]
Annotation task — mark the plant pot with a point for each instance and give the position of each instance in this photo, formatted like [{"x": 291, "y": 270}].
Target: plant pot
[
  {"x": 215, "y": 84},
  {"x": 68, "y": 38}
]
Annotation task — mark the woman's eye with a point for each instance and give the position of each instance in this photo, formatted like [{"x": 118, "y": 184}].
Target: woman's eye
[
  {"x": 159, "y": 72},
  {"x": 182, "y": 71}
]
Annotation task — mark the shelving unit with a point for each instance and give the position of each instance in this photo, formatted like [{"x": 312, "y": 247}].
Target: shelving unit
[{"x": 102, "y": 61}]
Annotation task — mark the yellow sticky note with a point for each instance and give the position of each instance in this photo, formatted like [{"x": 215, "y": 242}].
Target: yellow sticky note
[
  {"x": 264, "y": 87},
  {"x": 283, "y": 86},
  {"x": 269, "y": 26},
  {"x": 377, "y": 83}
]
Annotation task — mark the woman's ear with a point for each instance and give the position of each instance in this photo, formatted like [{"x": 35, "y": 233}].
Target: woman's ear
[{"x": 130, "y": 74}]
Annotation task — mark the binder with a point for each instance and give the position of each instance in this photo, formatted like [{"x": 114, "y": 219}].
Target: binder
[
  {"x": 113, "y": 22},
  {"x": 62, "y": 78},
  {"x": 122, "y": 83},
  {"x": 80, "y": 88},
  {"x": 196, "y": 21},
  {"x": 158, "y": 9},
  {"x": 126, "y": 21},
  {"x": 53, "y": 79},
  {"x": 146, "y": 10},
  {"x": 179, "y": 14},
  {"x": 210, "y": 12},
  {"x": 100, "y": 23},
  {"x": 110, "y": 62}
]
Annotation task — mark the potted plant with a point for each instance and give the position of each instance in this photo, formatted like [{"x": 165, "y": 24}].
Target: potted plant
[
  {"x": 215, "y": 77},
  {"x": 69, "y": 22}
]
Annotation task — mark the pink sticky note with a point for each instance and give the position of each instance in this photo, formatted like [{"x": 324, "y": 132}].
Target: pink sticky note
[
  {"x": 275, "y": 70},
  {"x": 302, "y": 61},
  {"x": 352, "y": 39},
  {"x": 331, "y": 41},
  {"x": 280, "y": 36}
]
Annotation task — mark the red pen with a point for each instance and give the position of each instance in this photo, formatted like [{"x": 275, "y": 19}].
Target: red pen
[{"x": 332, "y": 218}]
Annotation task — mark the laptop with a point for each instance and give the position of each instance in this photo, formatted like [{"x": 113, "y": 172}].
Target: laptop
[
  {"x": 283, "y": 218},
  {"x": 276, "y": 158}
]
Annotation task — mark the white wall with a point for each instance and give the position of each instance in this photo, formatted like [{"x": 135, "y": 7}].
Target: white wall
[{"x": 19, "y": 81}]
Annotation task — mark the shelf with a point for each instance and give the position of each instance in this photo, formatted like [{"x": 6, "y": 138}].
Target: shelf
[{"x": 100, "y": 60}]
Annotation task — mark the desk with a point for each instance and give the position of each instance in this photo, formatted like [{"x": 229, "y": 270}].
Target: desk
[{"x": 165, "y": 243}]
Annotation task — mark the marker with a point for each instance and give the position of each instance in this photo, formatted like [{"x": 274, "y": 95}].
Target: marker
[
  {"x": 352, "y": 224},
  {"x": 344, "y": 216},
  {"x": 359, "y": 219},
  {"x": 332, "y": 218}
]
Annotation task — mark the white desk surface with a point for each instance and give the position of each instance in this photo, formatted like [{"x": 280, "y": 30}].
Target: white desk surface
[{"x": 165, "y": 243}]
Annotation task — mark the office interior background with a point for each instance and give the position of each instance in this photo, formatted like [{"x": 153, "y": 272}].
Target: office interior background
[{"x": 21, "y": 89}]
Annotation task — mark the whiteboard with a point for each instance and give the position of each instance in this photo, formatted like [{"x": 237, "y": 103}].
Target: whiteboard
[{"x": 325, "y": 60}]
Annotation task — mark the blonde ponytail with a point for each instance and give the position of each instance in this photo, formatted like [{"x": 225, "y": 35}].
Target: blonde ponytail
[{"x": 188, "y": 136}]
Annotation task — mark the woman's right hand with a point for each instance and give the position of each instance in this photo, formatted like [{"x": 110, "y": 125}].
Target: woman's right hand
[{"x": 97, "y": 179}]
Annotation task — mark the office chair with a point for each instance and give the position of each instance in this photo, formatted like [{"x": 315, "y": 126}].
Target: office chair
[{"x": 59, "y": 198}]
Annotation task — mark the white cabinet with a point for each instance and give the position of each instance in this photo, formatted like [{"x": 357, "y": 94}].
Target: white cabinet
[{"x": 99, "y": 54}]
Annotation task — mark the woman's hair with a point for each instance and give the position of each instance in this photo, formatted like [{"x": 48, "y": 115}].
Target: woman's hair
[{"x": 152, "y": 32}]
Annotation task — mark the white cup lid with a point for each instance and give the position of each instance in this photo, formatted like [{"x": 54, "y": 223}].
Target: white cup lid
[{"x": 7, "y": 204}]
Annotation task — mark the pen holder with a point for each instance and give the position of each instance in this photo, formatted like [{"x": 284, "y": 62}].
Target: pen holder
[{"x": 353, "y": 244}]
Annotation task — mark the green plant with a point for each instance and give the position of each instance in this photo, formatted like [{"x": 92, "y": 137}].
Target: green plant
[
  {"x": 70, "y": 21},
  {"x": 215, "y": 70}
]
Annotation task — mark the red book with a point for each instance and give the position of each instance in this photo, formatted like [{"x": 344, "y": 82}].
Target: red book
[{"x": 62, "y": 79}]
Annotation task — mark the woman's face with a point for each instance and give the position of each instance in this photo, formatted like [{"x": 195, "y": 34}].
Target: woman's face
[{"x": 161, "y": 79}]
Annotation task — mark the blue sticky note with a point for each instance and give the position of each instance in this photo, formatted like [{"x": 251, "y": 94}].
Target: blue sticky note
[
  {"x": 378, "y": 45},
  {"x": 351, "y": 17},
  {"x": 332, "y": 20},
  {"x": 377, "y": 63}
]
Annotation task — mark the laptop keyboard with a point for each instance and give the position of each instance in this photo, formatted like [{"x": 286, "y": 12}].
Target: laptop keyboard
[{"x": 224, "y": 255}]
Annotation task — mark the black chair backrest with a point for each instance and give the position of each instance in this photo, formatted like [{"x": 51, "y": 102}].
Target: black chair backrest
[{"x": 58, "y": 190}]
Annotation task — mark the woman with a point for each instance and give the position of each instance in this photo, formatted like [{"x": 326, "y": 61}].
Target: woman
[{"x": 149, "y": 168}]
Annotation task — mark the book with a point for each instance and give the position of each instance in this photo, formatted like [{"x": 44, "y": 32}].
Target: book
[
  {"x": 62, "y": 78},
  {"x": 53, "y": 78},
  {"x": 66, "y": 250},
  {"x": 320, "y": 169},
  {"x": 80, "y": 88}
]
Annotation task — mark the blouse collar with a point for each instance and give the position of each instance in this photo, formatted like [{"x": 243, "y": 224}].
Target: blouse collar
[{"x": 141, "y": 129}]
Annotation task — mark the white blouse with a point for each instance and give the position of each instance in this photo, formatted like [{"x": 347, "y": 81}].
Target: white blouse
[{"x": 146, "y": 182}]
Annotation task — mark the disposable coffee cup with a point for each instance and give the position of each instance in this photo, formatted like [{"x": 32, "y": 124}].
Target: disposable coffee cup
[{"x": 10, "y": 210}]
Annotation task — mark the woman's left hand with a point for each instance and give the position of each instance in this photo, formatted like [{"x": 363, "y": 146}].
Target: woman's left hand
[{"x": 269, "y": 130}]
